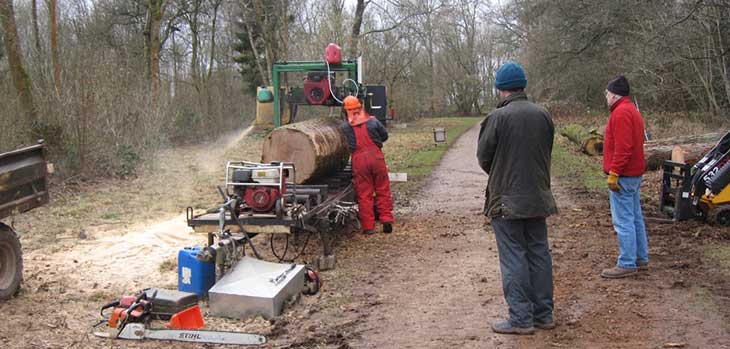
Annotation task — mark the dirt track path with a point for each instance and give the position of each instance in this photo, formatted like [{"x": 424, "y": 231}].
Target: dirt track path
[
  {"x": 441, "y": 287},
  {"x": 434, "y": 283}
]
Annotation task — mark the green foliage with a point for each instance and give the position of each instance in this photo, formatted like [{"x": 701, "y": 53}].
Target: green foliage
[
  {"x": 185, "y": 126},
  {"x": 111, "y": 216},
  {"x": 129, "y": 158},
  {"x": 576, "y": 46},
  {"x": 259, "y": 31},
  {"x": 246, "y": 60}
]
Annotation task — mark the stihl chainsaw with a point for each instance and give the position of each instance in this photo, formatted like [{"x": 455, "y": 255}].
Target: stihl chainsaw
[{"x": 131, "y": 316}]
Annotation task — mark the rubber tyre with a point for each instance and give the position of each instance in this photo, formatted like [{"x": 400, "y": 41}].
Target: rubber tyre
[
  {"x": 723, "y": 218},
  {"x": 11, "y": 262}
]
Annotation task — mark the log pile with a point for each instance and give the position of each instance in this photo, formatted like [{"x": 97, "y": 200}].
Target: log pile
[
  {"x": 589, "y": 141},
  {"x": 687, "y": 149},
  {"x": 317, "y": 147}
]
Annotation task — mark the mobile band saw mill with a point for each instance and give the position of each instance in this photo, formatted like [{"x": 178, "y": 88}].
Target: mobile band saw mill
[{"x": 303, "y": 184}]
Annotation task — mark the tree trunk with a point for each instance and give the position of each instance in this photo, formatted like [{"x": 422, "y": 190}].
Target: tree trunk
[
  {"x": 36, "y": 31},
  {"x": 655, "y": 155},
  {"x": 284, "y": 48},
  {"x": 154, "y": 21},
  {"x": 356, "y": 27},
  {"x": 267, "y": 31},
  {"x": 590, "y": 142},
  {"x": 712, "y": 137},
  {"x": 194, "y": 44},
  {"x": 212, "y": 39},
  {"x": 21, "y": 80},
  {"x": 692, "y": 148},
  {"x": 52, "y": 11},
  {"x": 317, "y": 147}
]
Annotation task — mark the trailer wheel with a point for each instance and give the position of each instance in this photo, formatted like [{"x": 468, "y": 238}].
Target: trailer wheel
[{"x": 11, "y": 262}]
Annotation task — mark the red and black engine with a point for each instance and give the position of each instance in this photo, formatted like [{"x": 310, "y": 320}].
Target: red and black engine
[
  {"x": 317, "y": 87},
  {"x": 259, "y": 188},
  {"x": 261, "y": 199}
]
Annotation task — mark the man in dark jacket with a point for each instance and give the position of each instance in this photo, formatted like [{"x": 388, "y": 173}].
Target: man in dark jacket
[
  {"x": 623, "y": 162},
  {"x": 514, "y": 149},
  {"x": 365, "y": 136}
]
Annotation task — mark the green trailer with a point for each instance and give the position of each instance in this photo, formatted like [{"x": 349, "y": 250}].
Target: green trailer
[{"x": 23, "y": 187}]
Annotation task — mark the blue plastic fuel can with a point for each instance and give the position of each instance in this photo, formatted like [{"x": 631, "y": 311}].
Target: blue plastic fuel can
[{"x": 193, "y": 275}]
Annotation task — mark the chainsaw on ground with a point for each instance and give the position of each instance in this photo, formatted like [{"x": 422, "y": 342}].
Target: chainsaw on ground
[
  {"x": 130, "y": 318},
  {"x": 701, "y": 191}
]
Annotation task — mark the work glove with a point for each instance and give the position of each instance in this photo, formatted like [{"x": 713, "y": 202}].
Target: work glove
[{"x": 612, "y": 181}]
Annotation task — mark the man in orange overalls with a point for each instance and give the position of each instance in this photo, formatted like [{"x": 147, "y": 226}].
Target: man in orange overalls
[{"x": 365, "y": 136}]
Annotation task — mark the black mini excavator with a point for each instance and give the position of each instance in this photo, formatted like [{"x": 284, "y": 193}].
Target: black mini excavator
[{"x": 699, "y": 191}]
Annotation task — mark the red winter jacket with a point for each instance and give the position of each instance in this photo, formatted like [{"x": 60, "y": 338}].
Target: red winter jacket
[{"x": 623, "y": 145}]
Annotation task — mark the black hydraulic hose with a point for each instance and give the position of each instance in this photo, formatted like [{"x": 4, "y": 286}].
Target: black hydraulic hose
[
  {"x": 229, "y": 205},
  {"x": 299, "y": 253},
  {"x": 240, "y": 226},
  {"x": 273, "y": 251}
]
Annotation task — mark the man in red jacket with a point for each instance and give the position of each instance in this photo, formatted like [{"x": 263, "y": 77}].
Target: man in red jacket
[
  {"x": 623, "y": 161},
  {"x": 365, "y": 136}
]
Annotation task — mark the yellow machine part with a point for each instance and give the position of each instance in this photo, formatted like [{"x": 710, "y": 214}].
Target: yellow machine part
[{"x": 722, "y": 198}]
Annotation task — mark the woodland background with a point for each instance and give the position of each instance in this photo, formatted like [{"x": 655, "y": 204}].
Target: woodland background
[{"x": 108, "y": 82}]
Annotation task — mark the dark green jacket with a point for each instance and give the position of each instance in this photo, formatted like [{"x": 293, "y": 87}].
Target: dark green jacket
[{"x": 515, "y": 143}]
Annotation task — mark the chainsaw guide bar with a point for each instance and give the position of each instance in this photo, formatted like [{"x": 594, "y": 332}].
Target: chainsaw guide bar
[{"x": 138, "y": 331}]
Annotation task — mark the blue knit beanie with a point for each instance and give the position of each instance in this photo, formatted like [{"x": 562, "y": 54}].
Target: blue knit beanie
[{"x": 510, "y": 76}]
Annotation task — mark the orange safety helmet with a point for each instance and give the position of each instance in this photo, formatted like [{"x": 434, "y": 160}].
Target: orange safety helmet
[{"x": 351, "y": 103}]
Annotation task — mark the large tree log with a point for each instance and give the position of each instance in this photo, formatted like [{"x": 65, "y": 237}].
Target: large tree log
[
  {"x": 691, "y": 148},
  {"x": 654, "y": 155},
  {"x": 712, "y": 137},
  {"x": 317, "y": 147},
  {"x": 589, "y": 141}
]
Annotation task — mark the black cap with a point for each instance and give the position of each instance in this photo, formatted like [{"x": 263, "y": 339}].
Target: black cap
[{"x": 619, "y": 86}]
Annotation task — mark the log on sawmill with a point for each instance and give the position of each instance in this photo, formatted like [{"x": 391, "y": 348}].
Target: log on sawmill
[
  {"x": 654, "y": 154},
  {"x": 590, "y": 141},
  {"x": 317, "y": 147}
]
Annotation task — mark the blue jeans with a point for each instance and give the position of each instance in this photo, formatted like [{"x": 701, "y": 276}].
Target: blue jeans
[
  {"x": 628, "y": 221},
  {"x": 527, "y": 269}
]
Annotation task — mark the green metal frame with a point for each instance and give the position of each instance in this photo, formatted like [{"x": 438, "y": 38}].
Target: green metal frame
[{"x": 304, "y": 66}]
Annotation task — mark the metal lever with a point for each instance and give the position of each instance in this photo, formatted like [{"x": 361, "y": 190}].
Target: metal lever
[{"x": 281, "y": 277}]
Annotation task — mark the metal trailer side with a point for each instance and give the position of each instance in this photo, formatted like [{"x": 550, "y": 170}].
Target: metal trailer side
[{"x": 23, "y": 186}]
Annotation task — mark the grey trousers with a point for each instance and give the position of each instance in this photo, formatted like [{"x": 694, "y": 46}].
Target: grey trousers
[{"x": 527, "y": 269}]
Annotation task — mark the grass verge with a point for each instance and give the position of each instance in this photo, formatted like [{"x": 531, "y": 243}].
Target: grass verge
[
  {"x": 574, "y": 168},
  {"x": 412, "y": 150}
]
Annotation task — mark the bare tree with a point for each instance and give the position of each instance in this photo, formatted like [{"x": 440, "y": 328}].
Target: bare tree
[
  {"x": 36, "y": 31},
  {"x": 55, "y": 57},
  {"x": 156, "y": 11},
  {"x": 21, "y": 80}
]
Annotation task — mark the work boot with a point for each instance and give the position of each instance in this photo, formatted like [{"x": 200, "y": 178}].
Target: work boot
[
  {"x": 368, "y": 232},
  {"x": 618, "y": 272},
  {"x": 545, "y": 325},
  {"x": 387, "y": 227},
  {"x": 505, "y": 327},
  {"x": 642, "y": 265}
]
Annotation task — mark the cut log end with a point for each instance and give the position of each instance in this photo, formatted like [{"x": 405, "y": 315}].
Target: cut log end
[
  {"x": 593, "y": 146},
  {"x": 317, "y": 148}
]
